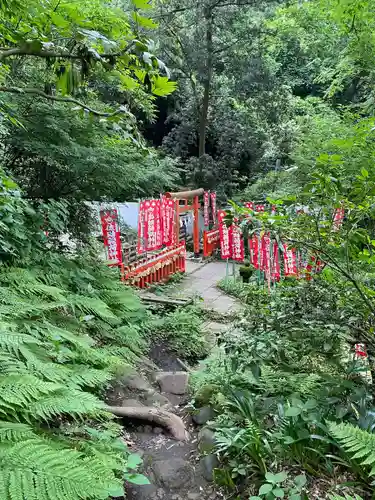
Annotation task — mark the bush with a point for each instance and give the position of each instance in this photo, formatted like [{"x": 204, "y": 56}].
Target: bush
[{"x": 182, "y": 329}]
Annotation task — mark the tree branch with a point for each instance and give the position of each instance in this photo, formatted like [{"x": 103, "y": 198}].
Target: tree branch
[
  {"x": 18, "y": 51},
  {"x": 40, "y": 93},
  {"x": 333, "y": 262}
]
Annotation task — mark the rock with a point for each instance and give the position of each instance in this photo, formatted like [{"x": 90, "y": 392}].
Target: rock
[
  {"x": 147, "y": 429},
  {"x": 134, "y": 381},
  {"x": 157, "y": 430},
  {"x": 137, "y": 492},
  {"x": 210, "y": 463},
  {"x": 203, "y": 415},
  {"x": 156, "y": 399},
  {"x": 206, "y": 440},
  {"x": 193, "y": 496},
  {"x": 174, "y": 473},
  {"x": 131, "y": 402},
  {"x": 173, "y": 382}
]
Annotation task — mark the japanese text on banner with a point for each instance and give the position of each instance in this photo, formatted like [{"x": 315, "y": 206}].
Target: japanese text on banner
[
  {"x": 225, "y": 236},
  {"x": 168, "y": 212},
  {"x": 111, "y": 235},
  {"x": 150, "y": 230},
  {"x": 213, "y": 207}
]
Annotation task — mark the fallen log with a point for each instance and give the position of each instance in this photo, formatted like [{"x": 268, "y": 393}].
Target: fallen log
[{"x": 172, "y": 422}]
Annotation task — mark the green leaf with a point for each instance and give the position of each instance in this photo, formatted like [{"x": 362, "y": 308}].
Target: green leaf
[
  {"x": 265, "y": 488},
  {"x": 293, "y": 411},
  {"x": 300, "y": 480},
  {"x": 278, "y": 492},
  {"x": 142, "y": 4},
  {"x": 364, "y": 172},
  {"x": 161, "y": 86},
  {"x": 281, "y": 476},
  {"x": 255, "y": 498},
  {"x": 139, "y": 479},
  {"x": 116, "y": 491},
  {"x": 145, "y": 22},
  {"x": 133, "y": 461}
]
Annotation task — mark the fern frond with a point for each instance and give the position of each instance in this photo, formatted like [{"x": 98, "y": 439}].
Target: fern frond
[
  {"x": 10, "y": 431},
  {"x": 82, "y": 376},
  {"x": 355, "y": 441},
  {"x": 70, "y": 402},
  {"x": 20, "y": 390},
  {"x": 90, "y": 305},
  {"x": 35, "y": 469}
]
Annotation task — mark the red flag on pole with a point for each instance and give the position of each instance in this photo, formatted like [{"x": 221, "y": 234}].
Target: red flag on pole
[
  {"x": 290, "y": 261},
  {"x": 111, "y": 235},
  {"x": 238, "y": 250},
  {"x": 206, "y": 215},
  {"x": 254, "y": 250},
  {"x": 275, "y": 264},
  {"x": 213, "y": 207},
  {"x": 150, "y": 230},
  {"x": 225, "y": 236},
  {"x": 168, "y": 212}
]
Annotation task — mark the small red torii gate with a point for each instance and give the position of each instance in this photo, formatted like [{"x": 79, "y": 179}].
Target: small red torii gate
[{"x": 193, "y": 197}]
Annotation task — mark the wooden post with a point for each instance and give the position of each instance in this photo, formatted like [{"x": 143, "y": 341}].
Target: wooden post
[{"x": 196, "y": 225}]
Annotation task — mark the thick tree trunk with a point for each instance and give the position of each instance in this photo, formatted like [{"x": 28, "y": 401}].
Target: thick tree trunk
[{"x": 208, "y": 15}]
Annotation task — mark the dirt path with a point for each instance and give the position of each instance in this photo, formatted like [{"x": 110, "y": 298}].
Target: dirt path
[{"x": 177, "y": 470}]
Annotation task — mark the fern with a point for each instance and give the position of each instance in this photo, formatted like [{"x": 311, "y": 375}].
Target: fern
[
  {"x": 346, "y": 497},
  {"x": 35, "y": 469},
  {"x": 359, "y": 443}
]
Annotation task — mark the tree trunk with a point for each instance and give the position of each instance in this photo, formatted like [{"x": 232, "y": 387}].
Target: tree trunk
[{"x": 208, "y": 15}]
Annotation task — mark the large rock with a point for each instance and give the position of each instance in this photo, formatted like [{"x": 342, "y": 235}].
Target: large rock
[
  {"x": 206, "y": 440},
  {"x": 173, "y": 382},
  {"x": 174, "y": 473},
  {"x": 156, "y": 400},
  {"x": 141, "y": 492},
  {"x": 210, "y": 463},
  {"x": 203, "y": 415},
  {"x": 135, "y": 382}
]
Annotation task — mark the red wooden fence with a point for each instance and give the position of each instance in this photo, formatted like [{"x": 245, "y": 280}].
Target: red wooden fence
[{"x": 157, "y": 268}]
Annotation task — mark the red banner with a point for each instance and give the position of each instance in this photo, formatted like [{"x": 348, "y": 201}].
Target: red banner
[
  {"x": 150, "y": 231},
  {"x": 254, "y": 250},
  {"x": 225, "y": 236},
  {"x": 338, "y": 218},
  {"x": 290, "y": 261},
  {"x": 265, "y": 253},
  {"x": 111, "y": 235},
  {"x": 275, "y": 264},
  {"x": 213, "y": 207},
  {"x": 168, "y": 212},
  {"x": 249, "y": 204},
  {"x": 238, "y": 251},
  {"x": 206, "y": 199}
]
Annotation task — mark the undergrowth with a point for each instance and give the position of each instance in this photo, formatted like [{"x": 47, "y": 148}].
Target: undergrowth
[
  {"x": 183, "y": 330},
  {"x": 67, "y": 327},
  {"x": 288, "y": 396}
]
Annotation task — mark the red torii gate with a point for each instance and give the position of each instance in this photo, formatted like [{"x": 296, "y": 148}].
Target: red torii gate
[{"x": 185, "y": 196}]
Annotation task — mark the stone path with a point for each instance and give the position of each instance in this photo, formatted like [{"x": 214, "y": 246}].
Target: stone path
[{"x": 201, "y": 280}]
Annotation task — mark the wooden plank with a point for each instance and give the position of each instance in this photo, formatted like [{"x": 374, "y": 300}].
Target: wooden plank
[{"x": 166, "y": 300}]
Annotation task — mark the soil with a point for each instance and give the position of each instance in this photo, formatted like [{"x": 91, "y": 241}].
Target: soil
[{"x": 175, "y": 469}]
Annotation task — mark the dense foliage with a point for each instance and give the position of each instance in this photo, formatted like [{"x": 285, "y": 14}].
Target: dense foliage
[{"x": 67, "y": 324}]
